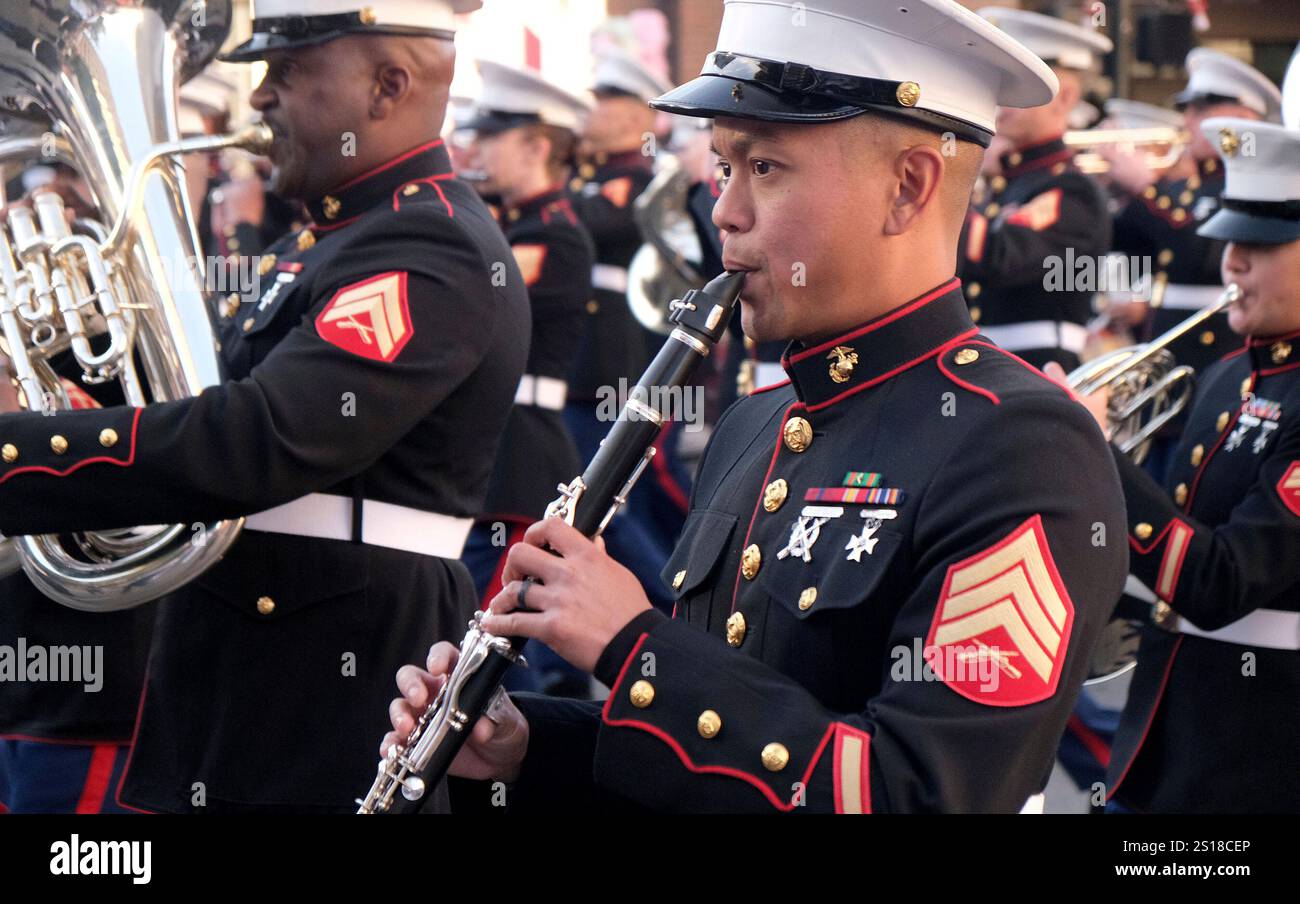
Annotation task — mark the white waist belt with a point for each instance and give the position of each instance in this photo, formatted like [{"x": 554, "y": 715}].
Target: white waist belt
[
  {"x": 609, "y": 278},
  {"x": 544, "y": 392},
  {"x": 1015, "y": 337},
  {"x": 1272, "y": 628},
  {"x": 382, "y": 524},
  {"x": 1190, "y": 298}
]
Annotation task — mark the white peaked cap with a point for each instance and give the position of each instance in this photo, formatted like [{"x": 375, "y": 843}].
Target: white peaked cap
[
  {"x": 1211, "y": 74},
  {"x": 1261, "y": 195},
  {"x": 1054, "y": 40},
  {"x": 519, "y": 92}
]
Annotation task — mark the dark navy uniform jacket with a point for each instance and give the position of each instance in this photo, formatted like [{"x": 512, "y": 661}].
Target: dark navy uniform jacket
[
  {"x": 1207, "y": 725},
  {"x": 1042, "y": 210},
  {"x": 1161, "y": 225},
  {"x": 614, "y": 345},
  {"x": 555, "y": 256},
  {"x": 913, "y": 496},
  {"x": 377, "y": 361}
]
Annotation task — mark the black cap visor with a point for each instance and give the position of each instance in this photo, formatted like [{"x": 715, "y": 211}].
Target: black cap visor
[
  {"x": 1230, "y": 225},
  {"x": 293, "y": 32}
]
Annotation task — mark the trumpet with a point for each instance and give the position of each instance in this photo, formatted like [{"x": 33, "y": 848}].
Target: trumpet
[
  {"x": 1162, "y": 146},
  {"x": 1148, "y": 388}
]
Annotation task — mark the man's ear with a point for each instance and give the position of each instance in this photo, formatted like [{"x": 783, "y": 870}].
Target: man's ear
[
  {"x": 392, "y": 84},
  {"x": 919, "y": 170}
]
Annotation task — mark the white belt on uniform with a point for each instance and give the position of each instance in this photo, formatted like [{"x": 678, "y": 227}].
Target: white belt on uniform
[
  {"x": 1189, "y": 298},
  {"x": 328, "y": 517},
  {"x": 609, "y": 278},
  {"x": 544, "y": 392},
  {"x": 1015, "y": 337},
  {"x": 1275, "y": 629}
]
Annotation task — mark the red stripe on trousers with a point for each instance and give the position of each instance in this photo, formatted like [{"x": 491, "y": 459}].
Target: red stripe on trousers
[
  {"x": 1094, "y": 743},
  {"x": 95, "y": 789}
]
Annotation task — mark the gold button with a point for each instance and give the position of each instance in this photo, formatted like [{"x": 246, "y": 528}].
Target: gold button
[
  {"x": 248, "y": 324},
  {"x": 775, "y": 757},
  {"x": 774, "y": 495},
  {"x": 736, "y": 629},
  {"x": 586, "y": 171},
  {"x": 1280, "y": 352},
  {"x": 678, "y": 578},
  {"x": 1185, "y": 198},
  {"x": 975, "y": 315},
  {"x": 992, "y": 210},
  {"x": 9, "y": 452},
  {"x": 1164, "y": 257},
  {"x": 1164, "y": 203},
  {"x": 232, "y": 245},
  {"x": 973, "y": 290},
  {"x": 367, "y": 16},
  {"x": 306, "y": 239},
  {"x": 708, "y": 724},
  {"x": 908, "y": 93},
  {"x": 750, "y": 561},
  {"x": 411, "y": 190},
  {"x": 967, "y": 356},
  {"x": 575, "y": 185},
  {"x": 1207, "y": 338},
  {"x": 1198, "y": 452},
  {"x": 1180, "y": 493},
  {"x": 798, "y": 434},
  {"x": 593, "y": 306},
  {"x": 1143, "y": 531},
  {"x": 1222, "y": 421},
  {"x": 265, "y": 605},
  {"x": 807, "y": 598},
  {"x": 1163, "y": 615},
  {"x": 265, "y": 264},
  {"x": 1211, "y": 165},
  {"x": 1245, "y": 386},
  {"x": 998, "y": 183},
  {"x": 59, "y": 444},
  {"x": 108, "y": 437},
  {"x": 1149, "y": 192},
  {"x": 332, "y": 206},
  {"x": 1058, "y": 169},
  {"x": 641, "y": 694},
  {"x": 514, "y": 216},
  {"x": 1015, "y": 159},
  {"x": 1179, "y": 215}
]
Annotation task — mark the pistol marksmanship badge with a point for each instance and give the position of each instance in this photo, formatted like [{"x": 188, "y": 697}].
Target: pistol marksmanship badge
[{"x": 845, "y": 360}]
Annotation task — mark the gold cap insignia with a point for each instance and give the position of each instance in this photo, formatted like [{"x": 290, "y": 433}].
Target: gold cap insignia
[
  {"x": 1280, "y": 352},
  {"x": 306, "y": 239},
  {"x": 332, "y": 206},
  {"x": 908, "y": 94},
  {"x": 1228, "y": 142},
  {"x": 367, "y": 16},
  {"x": 845, "y": 360}
]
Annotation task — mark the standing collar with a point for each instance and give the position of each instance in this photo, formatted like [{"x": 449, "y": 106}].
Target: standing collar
[
  {"x": 1036, "y": 156},
  {"x": 1269, "y": 352},
  {"x": 348, "y": 201},
  {"x": 879, "y": 349},
  {"x": 533, "y": 205}
]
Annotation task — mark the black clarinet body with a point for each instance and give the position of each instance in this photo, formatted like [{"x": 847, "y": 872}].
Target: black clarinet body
[{"x": 588, "y": 503}]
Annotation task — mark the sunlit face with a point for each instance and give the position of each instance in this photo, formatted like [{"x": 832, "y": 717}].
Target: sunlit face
[
  {"x": 1269, "y": 279},
  {"x": 792, "y": 214}
]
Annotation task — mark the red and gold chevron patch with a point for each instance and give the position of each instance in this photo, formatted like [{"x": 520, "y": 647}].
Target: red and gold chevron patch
[{"x": 1288, "y": 488}]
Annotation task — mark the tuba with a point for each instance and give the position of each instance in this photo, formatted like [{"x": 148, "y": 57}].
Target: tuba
[
  {"x": 663, "y": 267},
  {"x": 1147, "y": 390},
  {"x": 101, "y": 78}
]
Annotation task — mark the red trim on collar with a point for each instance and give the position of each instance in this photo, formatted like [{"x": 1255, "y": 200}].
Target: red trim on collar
[
  {"x": 770, "y": 387},
  {"x": 747, "y": 777},
  {"x": 316, "y": 227},
  {"x": 1146, "y": 729},
  {"x": 536, "y": 196},
  {"x": 383, "y": 166},
  {"x": 1269, "y": 340},
  {"x": 99, "y": 459},
  {"x": 1273, "y": 371},
  {"x": 1064, "y": 156},
  {"x": 890, "y": 317},
  {"x": 1234, "y": 353},
  {"x": 874, "y": 381}
]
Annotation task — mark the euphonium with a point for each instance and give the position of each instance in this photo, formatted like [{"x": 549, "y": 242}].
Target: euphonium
[
  {"x": 699, "y": 320},
  {"x": 104, "y": 74}
]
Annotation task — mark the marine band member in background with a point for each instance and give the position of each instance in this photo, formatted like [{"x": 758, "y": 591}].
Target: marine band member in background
[
  {"x": 841, "y": 525},
  {"x": 1037, "y": 210},
  {"x": 1207, "y": 725},
  {"x": 369, "y": 383},
  {"x": 519, "y": 143}
]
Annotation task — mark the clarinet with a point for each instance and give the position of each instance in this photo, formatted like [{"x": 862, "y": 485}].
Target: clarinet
[{"x": 587, "y": 503}]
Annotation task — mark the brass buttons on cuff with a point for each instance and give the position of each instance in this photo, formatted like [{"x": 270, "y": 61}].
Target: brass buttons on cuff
[
  {"x": 108, "y": 437},
  {"x": 966, "y": 356},
  {"x": 750, "y": 561},
  {"x": 265, "y": 605},
  {"x": 736, "y": 629},
  {"x": 58, "y": 444},
  {"x": 798, "y": 434},
  {"x": 775, "y": 757},
  {"x": 678, "y": 579},
  {"x": 708, "y": 724},
  {"x": 1143, "y": 531},
  {"x": 774, "y": 495},
  {"x": 641, "y": 694},
  {"x": 807, "y": 598},
  {"x": 9, "y": 452}
]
